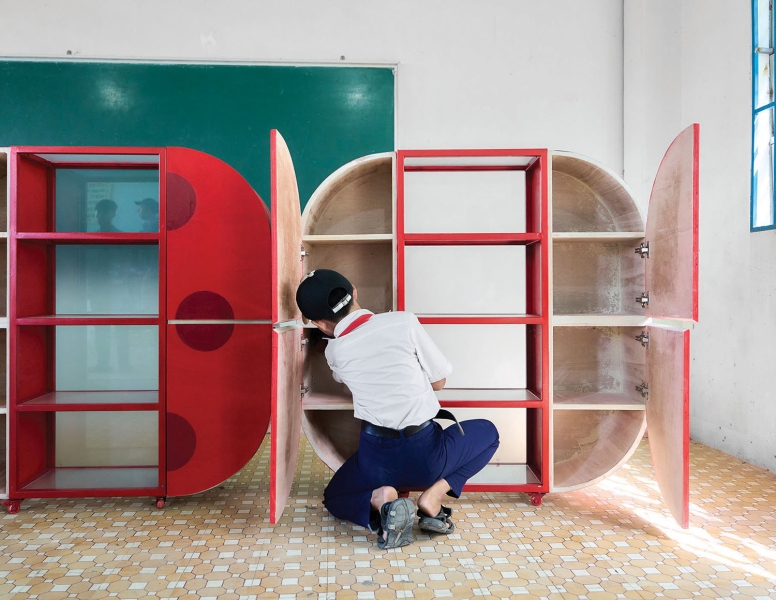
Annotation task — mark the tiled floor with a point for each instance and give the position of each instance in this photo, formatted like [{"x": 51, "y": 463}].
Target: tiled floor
[{"x": 613, "y": 540}]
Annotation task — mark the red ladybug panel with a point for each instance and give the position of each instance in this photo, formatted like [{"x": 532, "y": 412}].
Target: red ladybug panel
[
  {"x": 218, "y": 241},
  {"x": 218, "y": 401}
]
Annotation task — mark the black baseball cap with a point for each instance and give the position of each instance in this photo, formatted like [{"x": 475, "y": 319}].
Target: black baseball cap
[{"x": 322, "y": 294}]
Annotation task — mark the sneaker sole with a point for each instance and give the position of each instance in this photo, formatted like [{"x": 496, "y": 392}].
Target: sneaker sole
[{"x": 401, "y": 517}]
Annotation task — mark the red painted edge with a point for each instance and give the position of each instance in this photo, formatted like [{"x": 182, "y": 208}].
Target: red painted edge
[
  {"x": 467, "y": 167},
  {"x": 696, "y": 215},
  {"x": 90, "y": 320},
  {"x": 162, "y": 329},
  {"x": 492, "y": 403},
  {"x": 273, "y": 447},
  {"x": 472, "y": 239},
  {"x": 494, "y": 487},
  {"x": 546, "y": 333},
  {"x": 90, "y": 238},
  {"x": 686, "y": 433},
  {"x": 475, "y": 152},
  {"x": 273, "y": 178},
  {"x": 12, "y": 350},
  {"x": 521, "y": 320},
  {"x": 128, "y": 150},
  {"x": 26, "y": 407},
  {"x": 400, "y": 235}
]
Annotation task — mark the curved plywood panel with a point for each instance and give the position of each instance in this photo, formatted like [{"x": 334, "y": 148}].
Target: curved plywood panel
[
  {"x": 218, "y": 401},
  {"x": 218, "y": 236},
  {"x": 356, "y": 199},
  {"x": 333, "y": 434},
  {"x": 668, "y": 416},
  {"x": 672, "y": 232},
  {"x": 590, "y": 445},
  {"x": 586, "y": 196},
  {"x": 288, "y": 267}
]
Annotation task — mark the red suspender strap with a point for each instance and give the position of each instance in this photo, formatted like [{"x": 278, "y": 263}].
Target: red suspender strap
[{"x": 357, "y": 323}]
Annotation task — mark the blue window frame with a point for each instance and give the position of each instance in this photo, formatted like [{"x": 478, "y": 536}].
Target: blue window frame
[{"x": 763, "y": 214}]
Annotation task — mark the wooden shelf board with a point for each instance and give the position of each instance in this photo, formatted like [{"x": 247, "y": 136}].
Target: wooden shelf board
[
  {"x": 487, "y": 395},
  {"x": 366, "y": 238},
  {"x": 321, "y": 401},
  {"x": 95, "y": 478},
  {"x": 504, "y": 474},
  {"x": 598, "y": 236},
  {"x": 600, "y": 320},
  {"x": 93, "y": 400},
  {"x": 597, "y": 401}
]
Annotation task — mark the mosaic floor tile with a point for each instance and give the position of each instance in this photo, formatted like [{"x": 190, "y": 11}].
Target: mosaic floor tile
[{"x": 609, "y": 541}]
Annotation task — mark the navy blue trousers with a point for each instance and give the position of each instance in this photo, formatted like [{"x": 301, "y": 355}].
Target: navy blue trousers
[{"x": 415, "y": 462}]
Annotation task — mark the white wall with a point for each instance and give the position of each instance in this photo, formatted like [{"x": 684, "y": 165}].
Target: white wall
[
  {"x": 491, "y": 73},
  {"x": 687, "y": 62}
]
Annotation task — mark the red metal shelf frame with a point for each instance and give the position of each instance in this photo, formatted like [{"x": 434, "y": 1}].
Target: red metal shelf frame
[
  {"x": 64, "y": 320},
  {"x": 39, "y": 199},
  {"x": 83, "y": 238},
  {"x": 537, "y": 241}
]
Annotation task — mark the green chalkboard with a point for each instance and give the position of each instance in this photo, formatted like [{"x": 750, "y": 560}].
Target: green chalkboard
[{"x": 327, "y": 115}]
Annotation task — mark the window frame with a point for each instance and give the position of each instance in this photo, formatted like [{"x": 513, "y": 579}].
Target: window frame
[{"x": 757, "y": 110}]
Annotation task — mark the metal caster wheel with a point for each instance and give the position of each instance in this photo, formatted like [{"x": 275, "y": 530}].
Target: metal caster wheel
[
  {"x": 160, "y": 503},
  {"x": 536, "y": 498}
]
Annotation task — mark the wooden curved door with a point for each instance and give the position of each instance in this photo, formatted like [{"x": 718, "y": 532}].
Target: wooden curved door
[{"x": 287, "y": 356}]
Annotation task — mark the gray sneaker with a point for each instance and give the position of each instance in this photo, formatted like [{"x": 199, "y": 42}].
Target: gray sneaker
[
  {"x": 396, "y": 518},
  {"x": 442, "y": 523}
]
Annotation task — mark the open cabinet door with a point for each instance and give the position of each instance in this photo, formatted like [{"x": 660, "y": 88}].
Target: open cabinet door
[
  {"x": 218, "y": 334},
  {"x": 668, "y": 416},
  {"x": 671, "y": 270},
  {"x": 287, "y": 270}
]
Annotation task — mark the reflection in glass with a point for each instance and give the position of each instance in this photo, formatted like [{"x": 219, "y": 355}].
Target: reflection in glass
[
  {"x": 762, "y": 169},
  {"x": 107, "y": 279},
  {"x": 107, "y": 357},
  {"x": 107, "y": 200}
]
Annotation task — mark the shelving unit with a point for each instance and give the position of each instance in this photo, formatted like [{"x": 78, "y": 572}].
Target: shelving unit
[{"x": 87, "y": 335}]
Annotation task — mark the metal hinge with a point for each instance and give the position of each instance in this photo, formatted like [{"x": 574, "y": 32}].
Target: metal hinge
[
  {"x": 643, "y": 250},
  {"x": 304, "y": 389},
  {"x": 303, "y": 253},
  {"x": 644, "y": 299},
  {"x": 643, "y": 338},
  {"x": 643, "y": 388}
]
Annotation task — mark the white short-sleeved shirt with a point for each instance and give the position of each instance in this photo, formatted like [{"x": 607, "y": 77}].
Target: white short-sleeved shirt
[{"x": 388, "y": 363}]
